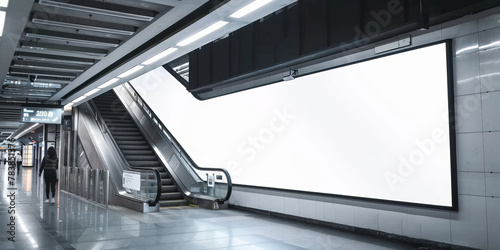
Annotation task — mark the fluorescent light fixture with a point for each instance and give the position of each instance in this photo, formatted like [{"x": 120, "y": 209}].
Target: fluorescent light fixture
[
  {"x": 4, "y": 3},
  {"x": 160, "y": 56},
  {"x": 134, "y": 14},
  {"x": 131, "y": 71},
  {"x": 70, "y": 104},
  {"x": 79, "y": 99},
  {"x": 249, "y": 8},
  {"x": 26, "y": 131},
  {"x": 104, "y": 85},
  {"x": 125, "y": 31},
  {"x": 92, "y": 92},
  {"x": 2, "y": 21},
  {"x": 203, "y": 33}
]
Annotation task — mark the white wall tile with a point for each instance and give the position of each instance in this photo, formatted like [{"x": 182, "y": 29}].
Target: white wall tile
[
  {"x": 492, "y": 185},
  {"x": 263, "y": 201},
  {"x": 344, "y": 214},
  {"x": 493, "y": 206},
  {"x": 292, "y": 206},
  {"x": 471, "y": 183},
  {"x": 468, "y": 113},
  {"x": 468, "y": 226},
  {"x": 431, "y": 228},
  {"x": 277, "y": 204},
  {"x": 366, "y": 218},
  {"x": 391, "y": 222},
  {"x": 492, "y": 151},
  {"x": 488, "y": 69},
  {"x": 467, "y": 79},
  {"x": 329, "y": 211},
  {"x": 320, "y": 210},
  {"x": 491, "y": 112},
  {"x": 466, "y": 45},
  {"x": 470, "y": 152},
  {"x": 307, "y": 209}
]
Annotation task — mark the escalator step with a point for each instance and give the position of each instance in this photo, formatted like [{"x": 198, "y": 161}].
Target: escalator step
[
  {"x": 144, "y": 163},
  {"x": 130, "y": 143},
  {"x": 134, "y": 158},
  {"x": 129, "y": 138},
  {"x": 166, "y": 182},
  {"x": 134, "y": 147},
  {"x": 169, "y": 188},
  {"x": 145, "y": 152},
  {"x": 173, "y": 203},
  {"x": 171, "y": 196}
]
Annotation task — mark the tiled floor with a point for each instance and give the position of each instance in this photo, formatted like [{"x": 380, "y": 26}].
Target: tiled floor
[{"x": 73, "y": 223}]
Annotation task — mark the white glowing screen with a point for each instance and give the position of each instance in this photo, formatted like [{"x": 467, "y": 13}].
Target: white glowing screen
[{"x": 376, "y": 129}]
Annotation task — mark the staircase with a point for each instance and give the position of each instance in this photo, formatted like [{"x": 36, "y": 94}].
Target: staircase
[{"x": 134, "y": 145}]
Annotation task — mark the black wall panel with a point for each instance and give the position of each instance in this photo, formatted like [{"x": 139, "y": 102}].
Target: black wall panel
[
  {"x": 342, "y": 19},
  {"x": 193, "y": 70},
  {"x": 204, "y": 66},
  {"x": 266, "y": 34},
  {"x": 246, "y": 60},
  {"x": 313, "y": 33},
  {"x": 220, "y": 60},
  {"x": 288, "y": 43},
  {"x": 234, "y": 54},
  {"x": 312, "y": 26}
]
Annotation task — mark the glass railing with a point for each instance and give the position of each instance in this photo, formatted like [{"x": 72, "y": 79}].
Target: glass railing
[
  {"x": 148, "y": 181},
  {"x": 195, "y": 182}
]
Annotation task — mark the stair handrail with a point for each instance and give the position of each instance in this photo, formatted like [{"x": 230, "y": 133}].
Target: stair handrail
[
  {"x": 135, "y": 96},
  {"x": 104, "y": 128}
]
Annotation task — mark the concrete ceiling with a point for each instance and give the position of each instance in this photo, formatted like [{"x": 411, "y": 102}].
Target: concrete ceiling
[{"x": 54, "y": 51}]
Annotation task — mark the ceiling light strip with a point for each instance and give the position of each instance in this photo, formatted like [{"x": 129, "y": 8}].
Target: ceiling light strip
[
  {"x": 249, "y": 8},
  {"x": 160, "y": 56},
  {"x": 203, "y": 33},
  {"x": 131, "y": 71}
]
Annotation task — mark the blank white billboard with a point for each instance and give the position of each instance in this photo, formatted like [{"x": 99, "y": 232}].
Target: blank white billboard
[{"x": 378, "y": 129}]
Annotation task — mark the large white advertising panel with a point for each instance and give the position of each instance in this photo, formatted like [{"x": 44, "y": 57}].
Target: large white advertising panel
[{"x": 378, "y": 129}]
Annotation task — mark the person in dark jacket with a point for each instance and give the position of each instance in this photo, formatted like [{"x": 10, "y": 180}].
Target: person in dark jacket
[{"x": 50, "y": 163}]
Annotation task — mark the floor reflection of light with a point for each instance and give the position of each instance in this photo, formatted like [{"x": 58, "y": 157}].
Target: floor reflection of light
[
  {"x": 27, "y": 180},
  {"x": 28, "y": 235}
]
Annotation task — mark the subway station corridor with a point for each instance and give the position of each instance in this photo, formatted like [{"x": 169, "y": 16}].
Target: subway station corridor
[{"x": 74, "y": 223}]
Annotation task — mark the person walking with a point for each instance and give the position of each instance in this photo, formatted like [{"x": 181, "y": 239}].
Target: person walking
[
  {"x": 19, "y": 161},
  {"x": 50, "y": 163}
]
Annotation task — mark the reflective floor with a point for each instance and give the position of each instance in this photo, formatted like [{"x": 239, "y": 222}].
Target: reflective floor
[{"x": 73, "y": 223}]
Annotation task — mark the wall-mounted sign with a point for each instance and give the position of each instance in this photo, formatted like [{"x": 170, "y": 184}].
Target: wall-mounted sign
[{"x": 40, "y": 114}]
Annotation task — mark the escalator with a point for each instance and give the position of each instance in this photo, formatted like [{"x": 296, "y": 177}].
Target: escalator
[{"x": 134, "y": 146}]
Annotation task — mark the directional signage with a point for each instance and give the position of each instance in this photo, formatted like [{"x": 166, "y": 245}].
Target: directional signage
[{"x": 48, "y": 115}]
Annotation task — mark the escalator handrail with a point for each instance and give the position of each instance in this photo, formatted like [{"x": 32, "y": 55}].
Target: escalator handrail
[
  {"x": 178, "y": 146},
  {"x": 158, "y": 184},
  {"x": 96, "y": 114}
]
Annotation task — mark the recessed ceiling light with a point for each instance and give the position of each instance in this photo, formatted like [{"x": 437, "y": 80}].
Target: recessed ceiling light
[
  {"x": 160, "y": 56},
  {"x": 131, "y": 71},
  {"x": 249, "y": 8},
  {"x": 203, "y": 33}
]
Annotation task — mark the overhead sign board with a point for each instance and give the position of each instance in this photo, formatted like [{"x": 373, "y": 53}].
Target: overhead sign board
[{"x": 36, "y": 114}]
